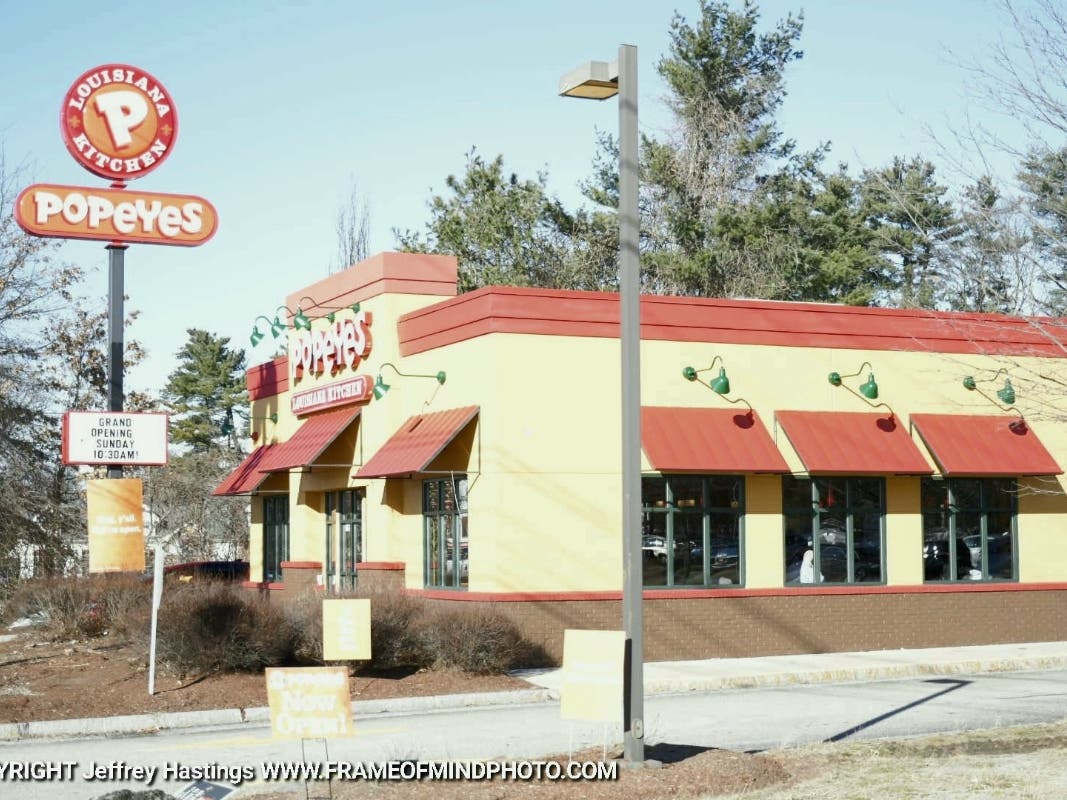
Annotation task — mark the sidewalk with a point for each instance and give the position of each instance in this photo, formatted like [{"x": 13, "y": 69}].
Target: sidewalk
[{"x": 660, "y": 677}]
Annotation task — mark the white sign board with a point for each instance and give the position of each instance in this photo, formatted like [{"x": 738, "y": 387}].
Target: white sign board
[
  {"x": 114, "y": 437},
  {"x": 592, "y": 675}
]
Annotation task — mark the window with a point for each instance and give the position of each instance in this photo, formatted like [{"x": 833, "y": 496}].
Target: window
[
  {"x": 348, "y": 526},
  {"x": 969, "y": 529},
  {"x": 444, "y": 513},
  {"x": 834, "y": 529},
  {"x": 691, "y": 530},
  {"x": 275, "y": 536}
]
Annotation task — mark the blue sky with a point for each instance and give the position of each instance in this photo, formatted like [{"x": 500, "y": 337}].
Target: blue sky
[{"x": 283, "y": 105}]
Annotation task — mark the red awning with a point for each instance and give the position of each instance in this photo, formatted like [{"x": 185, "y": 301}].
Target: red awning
[
  {"x": 708, "y": 440},
  {"x": 306, "y": 445},
  {"x": 246, "y": 476},
  {"x": 984, "y": 446},
  {"x": 846, "y": 443},
  {"x": 418, "y": 442}
]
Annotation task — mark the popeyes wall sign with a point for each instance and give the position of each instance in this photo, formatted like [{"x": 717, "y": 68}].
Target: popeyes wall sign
[
  {"x": 120, "y": 123},
  {"x": 336, "y": 350},
  {"x": 341, "y": 345}
]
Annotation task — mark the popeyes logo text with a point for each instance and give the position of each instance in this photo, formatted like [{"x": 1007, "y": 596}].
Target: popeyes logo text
[
  {"x": 76, "y": 212},
  {"x": 118, "y": 122},
  {"x": 341, "y": 345}
]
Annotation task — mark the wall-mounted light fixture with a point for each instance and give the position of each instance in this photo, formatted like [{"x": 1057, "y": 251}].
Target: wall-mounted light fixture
[
  {"x": 381, "y": 387},
  {"x": 277, "y": 328},
  {"x": 301, "y": 321},
  {"x": 272, "y": 417},
  {"x": 1005, "y": 399},
  {"x": 868, "y": 390},
  {"x": 719, "y": 384}
]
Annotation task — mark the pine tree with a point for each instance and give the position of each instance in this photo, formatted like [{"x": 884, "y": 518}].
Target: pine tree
[{"x": 206, "y": 393}]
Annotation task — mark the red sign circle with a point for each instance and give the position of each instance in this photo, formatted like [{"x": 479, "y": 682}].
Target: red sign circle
[{"x": 118, "y": 122}]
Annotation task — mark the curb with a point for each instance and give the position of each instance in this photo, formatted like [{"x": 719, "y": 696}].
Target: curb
[
  {"x": 150, "y": 723},
  {"x": 853, "y": 674}
]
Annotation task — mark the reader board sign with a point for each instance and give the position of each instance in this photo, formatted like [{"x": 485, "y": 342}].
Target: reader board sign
[
  {"x": 309, "y": 702},
  {"x": 114, "y": 437},
  {"x": 346, "y": 629},
  {"x": 116, "y": 525},
  {"x": 592, "y": 675}
]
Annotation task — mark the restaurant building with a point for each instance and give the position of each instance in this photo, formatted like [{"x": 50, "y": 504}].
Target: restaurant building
[{"x": 816, "y": 477}]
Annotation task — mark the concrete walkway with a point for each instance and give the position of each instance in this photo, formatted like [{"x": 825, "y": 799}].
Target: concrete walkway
[{"x": 660, "y": 677}]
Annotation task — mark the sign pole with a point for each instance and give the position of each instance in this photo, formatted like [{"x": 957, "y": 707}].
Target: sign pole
[
  {"x": 116, "y": 253},
  {"x": 157, "y": 596}
]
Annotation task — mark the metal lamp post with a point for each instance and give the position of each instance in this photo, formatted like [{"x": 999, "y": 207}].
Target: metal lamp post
[{"x": 598, "y": 80}]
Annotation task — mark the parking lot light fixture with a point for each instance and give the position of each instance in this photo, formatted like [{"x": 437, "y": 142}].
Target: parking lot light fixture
[{"x": 598, "y": 80}]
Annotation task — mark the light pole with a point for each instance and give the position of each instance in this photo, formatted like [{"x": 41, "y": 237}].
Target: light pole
[{"x": 598, "y": 80}]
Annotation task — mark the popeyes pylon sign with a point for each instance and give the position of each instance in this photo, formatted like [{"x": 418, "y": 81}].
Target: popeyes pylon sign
[{"x": 120, "y": 123}]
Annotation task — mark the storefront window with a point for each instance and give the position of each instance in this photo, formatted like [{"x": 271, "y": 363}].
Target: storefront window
[
  {"x": 444, "y": 512},
  {"x": 691, "y": 530},
  {"x": 275, "y": 536},
  {"x": 834, "y": 529},
  {"x": 969, "y": 529}
]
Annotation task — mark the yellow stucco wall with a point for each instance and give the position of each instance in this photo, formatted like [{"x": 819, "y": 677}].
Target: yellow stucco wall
[{"x": 544, "y": 497}]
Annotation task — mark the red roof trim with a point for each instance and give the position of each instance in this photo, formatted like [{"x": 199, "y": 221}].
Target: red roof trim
[
  {"x": 849, "y": 443},
  {"x": 246, "y": 477},
  {"x": 269, "y": 379},
  {"x": 700, "y": 594},
  {"x": 305, "y": 446},
  {"x": 417, "y": 443},
  {"x": 555, "y": 312},
  {"x": 972, "y": 445},
  {"x": 708, "y": 440},
  {"x": 300, "y": 565}
]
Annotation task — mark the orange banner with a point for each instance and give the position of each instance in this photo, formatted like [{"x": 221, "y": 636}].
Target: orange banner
[
  {"x": 115, "y": 215},
  {"x": 116, "y": 525}
]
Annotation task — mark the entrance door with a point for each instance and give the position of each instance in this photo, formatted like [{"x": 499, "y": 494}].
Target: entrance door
[
  {"x": 350, "y": 536},
  {"x": 346, "y": 552}
]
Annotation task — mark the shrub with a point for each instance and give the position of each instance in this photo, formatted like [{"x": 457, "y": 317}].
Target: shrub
[
  {"x": 213, "y": 627},
  {"x": 478, "y": 641},
  {"x": 90, "y": 606},
  {"x": 395, "y": 639}
]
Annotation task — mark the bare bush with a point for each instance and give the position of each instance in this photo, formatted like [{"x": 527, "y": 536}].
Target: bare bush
[
  {"x": 408, "y": 632},
  {"x": 92, "y": 606},
  {"x": 395, "y": 622},
  {"x": 214, "y": 627},
  {"x": 477, "y": 641}
]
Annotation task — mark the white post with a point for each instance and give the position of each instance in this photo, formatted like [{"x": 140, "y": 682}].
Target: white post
[{"x": 157, "y": 596}]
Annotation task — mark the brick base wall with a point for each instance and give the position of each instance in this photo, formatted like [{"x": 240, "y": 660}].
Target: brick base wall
[
  {"x": 732, "y": 627},
  {"x": 379, "y": 580}
]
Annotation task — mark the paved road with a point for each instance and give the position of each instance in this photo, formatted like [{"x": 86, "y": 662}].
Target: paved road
[{"x": 742, "y": 719}]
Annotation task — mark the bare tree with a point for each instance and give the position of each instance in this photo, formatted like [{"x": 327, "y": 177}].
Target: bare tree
[
  {"x": 1025, "y": 74},
  {"x": 353, "y": 231}
]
